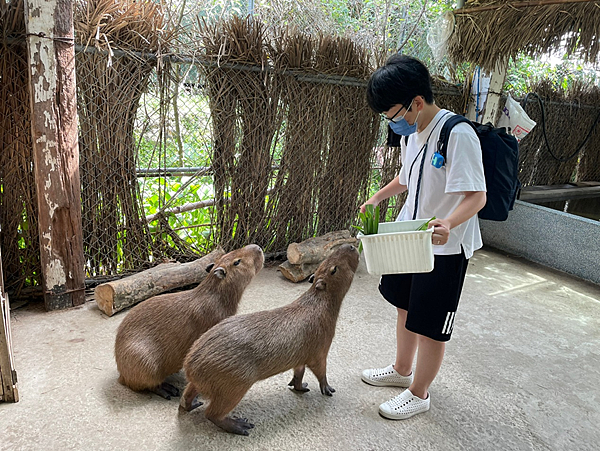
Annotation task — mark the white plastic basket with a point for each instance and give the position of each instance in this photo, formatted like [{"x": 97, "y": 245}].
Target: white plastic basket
[{"x": 398, "y": 248}]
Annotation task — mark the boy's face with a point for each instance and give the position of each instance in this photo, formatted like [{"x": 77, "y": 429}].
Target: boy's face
[{"x": 398, "y": 112}]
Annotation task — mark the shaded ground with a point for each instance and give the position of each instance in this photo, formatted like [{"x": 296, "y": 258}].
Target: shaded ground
[{"x": 521, "y": 373}]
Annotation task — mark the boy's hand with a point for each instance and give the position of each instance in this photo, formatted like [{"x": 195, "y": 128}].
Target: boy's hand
[
  {"x": 441, "y": 231},
  {"x": 370, "y": 201}
]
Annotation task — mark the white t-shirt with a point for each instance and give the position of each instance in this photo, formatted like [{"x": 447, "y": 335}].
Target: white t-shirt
[{"x": 442, "y": 189}]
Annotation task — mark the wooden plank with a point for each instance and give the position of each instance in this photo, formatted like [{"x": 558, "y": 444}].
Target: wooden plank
[
  {"x": 552, "y": 193},
  {"x": 117, "y": 295},
  {"x": 51, "y": 56},
  {"x": 8, "y": 376}
]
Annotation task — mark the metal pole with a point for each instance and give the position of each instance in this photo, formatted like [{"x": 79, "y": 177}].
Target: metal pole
[
  {"x": 460, "y": 4},
  {"x": 250, "y": 7}
]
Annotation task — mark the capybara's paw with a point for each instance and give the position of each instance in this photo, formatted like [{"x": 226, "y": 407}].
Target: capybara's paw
[
  {"x": 327, "y": 390},
  {"x": 239, "y": 426},
  {"x": 302, "y": 387},
  {"x": 166, "y": 390},
  {"x": 195, "y": 404}
]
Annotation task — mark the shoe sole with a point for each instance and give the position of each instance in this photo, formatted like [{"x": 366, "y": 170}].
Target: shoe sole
[
  {"x": 383, "y": 384},
  {"x": 392, "y": 417}
]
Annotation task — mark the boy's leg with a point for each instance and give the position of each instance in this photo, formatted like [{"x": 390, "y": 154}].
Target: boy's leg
[
  {"x": 434, "y": 299},
  {"x": 406, "y": 345},
  {"x": 395, "y": 288},
  {"x": 429, "y": 360}
]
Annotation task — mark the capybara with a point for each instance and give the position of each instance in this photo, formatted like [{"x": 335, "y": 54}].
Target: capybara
[
  {"x": 226, "y": 361},
  {"x": 155, "y": 336}
]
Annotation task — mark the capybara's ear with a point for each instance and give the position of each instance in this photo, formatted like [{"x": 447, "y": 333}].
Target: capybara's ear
[
  {"x": 209, "y": 267},
  {"x": 220, "y": 273},
  {"x": 320, "y": 285},
  {"x": 333, "y": 270},
  {"x": 311, "y": 278}
]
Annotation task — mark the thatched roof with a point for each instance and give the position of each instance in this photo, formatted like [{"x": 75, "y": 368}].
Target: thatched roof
[{"x": 489, "y": 31}]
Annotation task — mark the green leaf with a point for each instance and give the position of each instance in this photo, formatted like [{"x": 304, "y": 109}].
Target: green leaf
[{"x": 425, "y": 225}]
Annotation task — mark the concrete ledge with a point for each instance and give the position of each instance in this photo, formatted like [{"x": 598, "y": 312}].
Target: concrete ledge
[{"x": 555, "y": 239}]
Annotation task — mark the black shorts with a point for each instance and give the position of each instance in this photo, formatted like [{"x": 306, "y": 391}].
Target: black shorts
[{"x": 430, "y": 298}]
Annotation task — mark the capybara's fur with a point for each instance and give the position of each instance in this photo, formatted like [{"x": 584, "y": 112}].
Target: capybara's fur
[
  {"x": 155, "y": 336},
  {"x": 226, "y": 361}
]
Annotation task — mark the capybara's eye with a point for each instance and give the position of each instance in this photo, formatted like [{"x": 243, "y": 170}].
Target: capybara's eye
[
  {"x": 237, "y": 262},
  {"x": 333, "y": 270}
]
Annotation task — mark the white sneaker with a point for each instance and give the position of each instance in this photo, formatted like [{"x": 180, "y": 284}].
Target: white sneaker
[
  {"x": 386, "y": 377},
  {"x": 404, "y": 406}
]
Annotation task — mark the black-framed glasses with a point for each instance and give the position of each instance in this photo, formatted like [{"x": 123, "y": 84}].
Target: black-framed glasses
[{"x": 393, "y": 118}]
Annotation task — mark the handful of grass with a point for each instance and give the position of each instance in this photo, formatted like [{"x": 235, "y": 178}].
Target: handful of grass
[
  {"x": 425, "y": 225},
  {"x": 370, "y": 222}
]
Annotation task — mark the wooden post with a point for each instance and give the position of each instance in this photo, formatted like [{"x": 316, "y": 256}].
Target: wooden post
[
  {"x": 8, "y": 376},
  {"x": 51, "y": 50},
  {"x": 490, "y": 109},
  {"x": 492, "y": 104}
]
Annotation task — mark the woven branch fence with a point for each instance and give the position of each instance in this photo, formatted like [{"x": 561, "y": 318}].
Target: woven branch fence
[{"x": 260, "y": 136}]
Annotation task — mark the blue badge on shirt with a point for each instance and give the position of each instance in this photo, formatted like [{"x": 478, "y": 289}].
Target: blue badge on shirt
[{"x": 437, "y": 160}]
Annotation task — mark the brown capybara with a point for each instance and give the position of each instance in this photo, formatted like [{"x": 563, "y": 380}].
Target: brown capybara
[
  {"x": 155, "y": 336},
  {"x": 226, "y": 361}
]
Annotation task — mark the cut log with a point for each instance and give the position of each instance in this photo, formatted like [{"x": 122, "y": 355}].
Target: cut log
[
  {"x": 117, "y": 295},
  {"x": 315, "y": 250},
  {"x": 297, "y": 273}
]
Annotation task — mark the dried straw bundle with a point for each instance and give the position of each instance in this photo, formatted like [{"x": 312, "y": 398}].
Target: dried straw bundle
[
  {"x": 444, "y": 99},
  {"x": 255, "y": 95},
  {"x": 293, "y": 202},
  {"x": 18, "y": 199},
  {"x": 108, "y": 95},
  {"x": 122, "y": 24},
  {"x": 498, "y": 29},
  {"x": 347, "y": 161}
]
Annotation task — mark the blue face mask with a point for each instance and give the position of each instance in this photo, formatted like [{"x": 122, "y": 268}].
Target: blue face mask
[{"x": 402, "y": 127}]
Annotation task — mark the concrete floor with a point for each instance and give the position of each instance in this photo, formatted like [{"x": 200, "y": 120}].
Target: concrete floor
[{"x": 521, "y": 373}]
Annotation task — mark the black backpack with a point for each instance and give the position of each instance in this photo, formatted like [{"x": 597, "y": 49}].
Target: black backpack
[{"x": 500, "y": 153}]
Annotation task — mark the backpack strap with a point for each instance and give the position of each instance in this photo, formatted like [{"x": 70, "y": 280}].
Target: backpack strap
[{"x": 442, "y": 144}]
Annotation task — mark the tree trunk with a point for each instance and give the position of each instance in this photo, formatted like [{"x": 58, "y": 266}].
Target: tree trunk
[
  {"x": 315, "y": 250},
  {"x": 297, "y": 273},
  {"x": 117, "y": 295}
]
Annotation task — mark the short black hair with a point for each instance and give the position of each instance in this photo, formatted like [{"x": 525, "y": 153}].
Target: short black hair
[{"x": 398, "y": 82}]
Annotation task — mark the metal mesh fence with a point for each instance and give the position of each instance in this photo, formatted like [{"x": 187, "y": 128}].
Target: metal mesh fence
[
  {"x": 564, "y": 146},
  {"x": 180, "y": 153},
  {"x": 258, "y": 138}
]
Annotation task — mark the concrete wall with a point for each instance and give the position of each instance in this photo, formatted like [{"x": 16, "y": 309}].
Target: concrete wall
[{"x": 555, "y": 239}]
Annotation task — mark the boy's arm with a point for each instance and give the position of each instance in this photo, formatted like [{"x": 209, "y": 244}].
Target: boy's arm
[
  {"x": 470, "y": 205},
  {"x": 391, "y": 189}
]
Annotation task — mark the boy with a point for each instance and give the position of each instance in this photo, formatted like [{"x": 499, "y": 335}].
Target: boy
[{"x": 426, "y": 303}]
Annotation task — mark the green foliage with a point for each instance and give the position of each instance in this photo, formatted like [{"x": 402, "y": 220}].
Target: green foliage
[
  {"x": 525, "y": 71},
  {"x": 191, "y": 226}
]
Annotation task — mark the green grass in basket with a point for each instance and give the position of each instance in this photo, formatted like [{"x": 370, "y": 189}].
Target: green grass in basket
[{"x": 370, "y": 222}]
